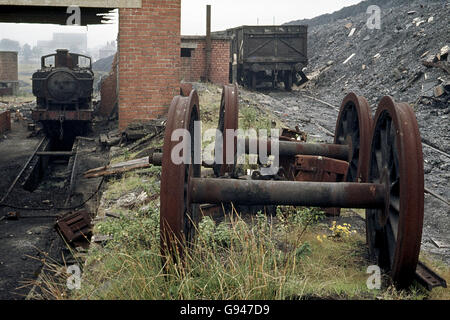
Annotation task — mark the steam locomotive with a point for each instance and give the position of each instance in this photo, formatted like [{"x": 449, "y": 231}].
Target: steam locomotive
[{"x": 63, "y": 88}]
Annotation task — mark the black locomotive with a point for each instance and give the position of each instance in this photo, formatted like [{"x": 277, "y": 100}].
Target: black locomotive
[{"x": 63, "y": 88}]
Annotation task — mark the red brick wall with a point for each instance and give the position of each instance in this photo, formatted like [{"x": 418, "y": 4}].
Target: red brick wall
[
  {"x": 149, "y": 59},
  {"x": 5, "y": 121},
  {"x": 194, "y": 68},
  {"x": 220, "y": 61},
  {"x": 108, "y": 91}
]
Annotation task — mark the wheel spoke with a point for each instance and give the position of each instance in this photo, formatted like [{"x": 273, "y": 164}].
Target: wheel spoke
[
  {"x": 391, "y": 243},
  {"x": 395, "y": 163},
  {"x": 384, "y": 146},
  {"x": 394, "y": 203},
  {"x": 393, "y": 222},
  {"x": 379, "y": 160},
  {"x": 394, "y": 187},
  {"x": 345, "y": 126}
]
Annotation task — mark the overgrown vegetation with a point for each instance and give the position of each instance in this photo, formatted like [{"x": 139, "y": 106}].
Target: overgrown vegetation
[
  {"x": 298, "y": 253},
  {"x": 253, "y": 258}
]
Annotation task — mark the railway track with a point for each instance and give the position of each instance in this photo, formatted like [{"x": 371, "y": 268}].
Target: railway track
[
  {"x": 47, "y": 170},
  {"x": 34, "y": 201}
]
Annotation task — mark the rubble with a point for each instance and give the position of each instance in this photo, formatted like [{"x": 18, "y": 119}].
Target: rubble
[
  {"x": 349, "y": 58},
  {"x": 439, "y": 91},
  {"x": 352, "y": 32}
]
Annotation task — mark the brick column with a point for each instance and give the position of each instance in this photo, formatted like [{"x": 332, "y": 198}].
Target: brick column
[
  {"x": 220, "y": 62},
  {"x": 149, "y": 59}
]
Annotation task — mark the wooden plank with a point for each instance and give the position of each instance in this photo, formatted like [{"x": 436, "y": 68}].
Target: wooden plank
[{"x": 118, "y": 168}]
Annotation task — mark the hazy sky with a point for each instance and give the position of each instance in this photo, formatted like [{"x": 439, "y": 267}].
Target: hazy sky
[{"x": 225, "y": 14}]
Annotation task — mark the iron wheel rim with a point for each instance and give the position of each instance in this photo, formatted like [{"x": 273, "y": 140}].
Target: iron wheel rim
[
  {"x": 394, "y": 232},
  {"x": 178, "y": 216},
  {"x": 355, "y": 123},
  {"x": 228, "y": 120}
]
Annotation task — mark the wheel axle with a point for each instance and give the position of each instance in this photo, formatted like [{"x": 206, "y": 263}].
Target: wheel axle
[
  {"x": 386, "y": 178},
  {"x": 292, "y": 193}
]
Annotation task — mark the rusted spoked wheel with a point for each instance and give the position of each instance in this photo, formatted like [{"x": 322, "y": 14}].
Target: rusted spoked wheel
[
  {"x": 394, "y": 234},
  {"x": 178, "y": 216},
  {"x": 353, "y": 128},
  {"x": 228, "y": 120},
  {"x": 185, "y": 89}
]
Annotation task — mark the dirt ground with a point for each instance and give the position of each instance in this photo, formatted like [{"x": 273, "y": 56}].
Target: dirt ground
[
  {"x": 25, "y": 243},
  {"x": 23, "y": 239}
]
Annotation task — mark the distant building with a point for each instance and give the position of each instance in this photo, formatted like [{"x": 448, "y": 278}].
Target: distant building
[
  {"x": 9, "y": 73},
  {"x": 108, "y": 50},
  {"x": 74, "y": 42}
]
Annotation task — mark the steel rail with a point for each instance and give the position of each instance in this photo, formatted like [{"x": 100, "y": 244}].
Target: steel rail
[{"x": 23, "y": 169}]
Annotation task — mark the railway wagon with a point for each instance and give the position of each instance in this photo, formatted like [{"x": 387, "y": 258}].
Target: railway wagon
[
  {"x": 268, "y": 53},
  {"x": 63, "y": 88}
]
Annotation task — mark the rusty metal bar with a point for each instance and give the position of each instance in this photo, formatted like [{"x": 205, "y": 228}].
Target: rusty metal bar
[
  {"x": 73, "y": 162},
  {"x": 311, "y": 194},
  {"x": 55, "y": 153},
  {"x": 288, "y": 148},
  {"x": 428, "y": 278},
  {"x": 293, "y": 148},
  {"x": 155, "y": 159}
]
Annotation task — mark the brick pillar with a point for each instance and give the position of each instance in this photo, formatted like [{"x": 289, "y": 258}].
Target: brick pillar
[
  {"x": 149, "y": 59},
  {"x": 220, "y": 62}
]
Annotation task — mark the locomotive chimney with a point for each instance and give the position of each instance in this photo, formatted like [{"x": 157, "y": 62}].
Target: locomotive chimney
[
  {"x": 61, "y": 58},
  {"x": 208, "y": 42}
]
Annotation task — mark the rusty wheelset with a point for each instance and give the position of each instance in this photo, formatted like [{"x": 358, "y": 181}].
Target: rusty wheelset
[
  {"x": 352, "y": 139},
  {"x": 385, "y": 173}
]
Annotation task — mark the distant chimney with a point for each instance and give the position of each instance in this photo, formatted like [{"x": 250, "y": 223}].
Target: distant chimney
[{"x": 208, "y": 42}]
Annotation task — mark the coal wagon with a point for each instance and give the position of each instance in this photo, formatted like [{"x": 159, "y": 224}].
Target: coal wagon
[{"x": 268, "y": 54}]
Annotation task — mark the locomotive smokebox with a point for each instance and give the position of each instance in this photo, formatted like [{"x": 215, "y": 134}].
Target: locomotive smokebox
[{"x": 62, "y": 86}]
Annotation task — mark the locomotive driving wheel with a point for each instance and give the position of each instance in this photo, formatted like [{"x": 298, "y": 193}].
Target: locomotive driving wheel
[
  {"x": 353, "y": 128},
  {"x": 396, "y": 160},
  {"x": 228, "y": 120},
  {"x": 178, "y": 215}
]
